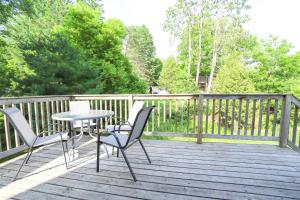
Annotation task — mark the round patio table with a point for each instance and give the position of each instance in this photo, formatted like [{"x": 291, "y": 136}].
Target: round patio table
[{"x": 88, "y": 115}]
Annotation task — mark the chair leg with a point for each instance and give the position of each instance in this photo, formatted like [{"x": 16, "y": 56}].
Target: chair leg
[
  {"x": 27, "y": 156},
  {"x": 98, "y": 153},
  {"x": 113, "y": 151},
  {"x": 145, "y": 151},
  {"x": 64, "y": 152},
  {"x": 127, "y": 162},
  {"x": 118, "y": 153}
]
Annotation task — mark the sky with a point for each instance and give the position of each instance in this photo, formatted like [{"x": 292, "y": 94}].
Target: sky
[{"x": 276, "y": 17}]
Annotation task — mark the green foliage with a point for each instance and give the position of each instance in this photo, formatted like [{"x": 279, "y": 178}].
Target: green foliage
[
  {"x": 173, "y": 78},
  {"x": 277, "y": 70},
  {"x": 63, "y": 48},
  {"x": 233, "y": 77},
  {"x": 140, "y": 50}
]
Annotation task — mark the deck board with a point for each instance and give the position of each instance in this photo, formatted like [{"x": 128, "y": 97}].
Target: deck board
[{"x": 180, "y": 170}]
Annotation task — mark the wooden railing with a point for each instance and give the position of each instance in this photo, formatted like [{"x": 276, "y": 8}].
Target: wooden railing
[{"x": 272, "y": 117}]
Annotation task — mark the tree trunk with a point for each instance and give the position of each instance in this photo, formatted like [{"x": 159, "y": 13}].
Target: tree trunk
[
  {"x": 213, "y": 62},
  {"x": 199, "y": 49},
  {"x": 190, "y": 51}
]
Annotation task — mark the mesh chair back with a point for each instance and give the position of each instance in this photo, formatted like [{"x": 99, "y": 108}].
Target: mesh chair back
[
  {"x": 20, "y": 124},
  {"x": 137, "y": 106},
  {"x": 140, "y": 123}
]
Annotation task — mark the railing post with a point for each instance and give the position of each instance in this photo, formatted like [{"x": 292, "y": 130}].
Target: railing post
[
  {"x": 285, "y": 120},
  {"x": 200, "y": 119},
  {"x": 130, "y": 102}
]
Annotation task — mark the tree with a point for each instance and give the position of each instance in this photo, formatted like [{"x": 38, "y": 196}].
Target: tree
[
  {"x": 173, "y": 77},
  {"x": 68, "y": 49},
  {"x": 276, "y": 69},
  {"x": 233, "y": 77},
  {"x": 228, "y": 18},
  {"x": 101, "y": 44},
  {"x": 140, "y": 49},
  {"x": 180, "y": 17}
]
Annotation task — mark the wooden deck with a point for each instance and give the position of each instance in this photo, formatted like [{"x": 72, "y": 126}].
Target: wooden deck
[{"x": 180, "y": 170}]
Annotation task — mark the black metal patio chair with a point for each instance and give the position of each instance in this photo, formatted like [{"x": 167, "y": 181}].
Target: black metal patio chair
[{"x": 124, "y": 141}]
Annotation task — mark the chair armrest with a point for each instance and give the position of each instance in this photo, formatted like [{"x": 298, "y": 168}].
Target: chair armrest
[
  {"x": 122, "y": 122},
  {"x": 120, "y": 125}
]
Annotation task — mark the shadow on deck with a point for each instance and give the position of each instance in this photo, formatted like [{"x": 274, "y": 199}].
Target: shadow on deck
[{"x": 180, "y": 170}]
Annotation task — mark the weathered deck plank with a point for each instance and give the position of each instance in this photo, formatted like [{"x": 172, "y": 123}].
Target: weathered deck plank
[{"x": 180, "y": 170}]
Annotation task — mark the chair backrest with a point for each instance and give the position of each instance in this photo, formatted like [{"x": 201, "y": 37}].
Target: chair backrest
[
  {"x": 20, "y": 124},
  {"x": 137, "y": 106},
  {"x": 79, "y": 106},
  {"x": 139, "y": 123}
]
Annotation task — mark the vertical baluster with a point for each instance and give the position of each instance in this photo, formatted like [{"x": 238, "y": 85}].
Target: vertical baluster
[
  {"x": 239, "y": 117},
  {"x": 153, "y": 114},
  {"x": 194, "y": 117},
  {"x": 96, "y": 105},
  {"x": 100, "y": 108},
  {"x": 110, "y": 108},
  {"x": 206, "y": 115},
  {"x": 42, "y": 116},
  {"x": 22, "y": 111},
  {"x": 48, "y": 116},
  {"x": 7, "y": 132},
  {"x": 53, "y": 112},
  {"x": 226, "y": 117},
  {"x": 115, "y": 109},
  {"x": 36, "y": 115},
  {"x": 62, "y": 110},
  {"x": 213, "y": 117},
  {"x": 158, "y": 115},
  {"x": 295, "y": 125},
  {"x": 176, "y": 114},
  {"x": 57, "y": 110},
  {"x": 261, "y": 109},
  {"x": 232, "y": 116},
  {"x": 105, "y": 105},
  {"x": 164, "y": 116},
  {"x": 170, "y": 115},
  {"x": 147, "y": 104},
  {"x": 1, "y": 149},
  {"x": 120, "y": 111},
  {"x": 188, "y": 116},
  {"x": 17, "y": 139},
  {"x": 219, "y": 117},
  {"x": 267, "y": 118},
  {"x": 126, "y": 110},
  {"x": 246, "y": 117},
  {"x": 182, "y": 112},
  {"x": 253, "y": 117},
  {"x": 29, "y": 114},
  {"x": 275, "y": 118}
]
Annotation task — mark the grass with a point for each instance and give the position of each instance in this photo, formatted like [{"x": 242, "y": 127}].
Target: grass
[{"x": 185, "y": 139}]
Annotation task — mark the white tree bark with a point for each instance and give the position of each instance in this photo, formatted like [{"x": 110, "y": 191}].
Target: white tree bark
[
  {"x": 199, "y": 60},
  {"x": 190, "y": 45},
  {"x": 213, "y": 62}
]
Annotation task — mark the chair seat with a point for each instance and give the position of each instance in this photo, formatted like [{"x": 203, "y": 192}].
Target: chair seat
[
  {"x": 51, "y": 139},
  {"x": 110, "y": 128},
  {"x": 111, "y": 140}
]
